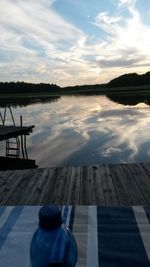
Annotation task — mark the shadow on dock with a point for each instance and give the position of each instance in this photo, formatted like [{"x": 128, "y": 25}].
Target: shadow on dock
[{"x": 7, "y": 163}]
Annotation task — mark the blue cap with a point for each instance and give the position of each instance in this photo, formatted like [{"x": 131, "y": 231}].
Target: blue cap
[{"x": 50, "y": 217}]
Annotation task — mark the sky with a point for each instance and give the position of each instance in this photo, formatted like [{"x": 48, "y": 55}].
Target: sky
[{"x": 70, "y": 42}]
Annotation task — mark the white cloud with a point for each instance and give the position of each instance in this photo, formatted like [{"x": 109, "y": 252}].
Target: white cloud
[
  {"x": 106, "y": 22},
  {"x": 37, "y": 44},
  {"x": 34, "y": 33},
  {"x": 126, "y": 2},
  {"x": 127, "y": 41},
  {"x": 32, "y": 19}
]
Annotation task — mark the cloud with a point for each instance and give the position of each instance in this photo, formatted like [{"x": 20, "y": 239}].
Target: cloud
[
  {"x": 128, "y": 3},
  {"x": 38, "y": 44},
  {"x": 127, "y": 40},
  {"x": 120, "y": 62},
  {"x": 35, "y": 35},
  {"x": 107, "y": 22}
]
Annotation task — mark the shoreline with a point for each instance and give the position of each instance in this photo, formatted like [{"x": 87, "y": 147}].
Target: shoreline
[{"x": 140, "y": 90}]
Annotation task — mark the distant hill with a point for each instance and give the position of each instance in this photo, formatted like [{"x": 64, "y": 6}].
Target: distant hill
[
  {"x": 131, "y": 79},
  {"x": 131, "y": 82}
]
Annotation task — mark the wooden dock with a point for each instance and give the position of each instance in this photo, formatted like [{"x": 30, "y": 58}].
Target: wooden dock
[
  {"x": 106, "y": 185},
  {"x": 7, "y": 132}
]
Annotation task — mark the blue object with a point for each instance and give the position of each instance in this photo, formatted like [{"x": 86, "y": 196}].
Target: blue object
[{"x": 53, "y": 243}]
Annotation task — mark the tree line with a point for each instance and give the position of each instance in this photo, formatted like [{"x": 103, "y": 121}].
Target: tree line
[
  {"x": 131, "y": 79},
  {"x": 126, "y": 80},
  {"x": 22, "y": 87}
]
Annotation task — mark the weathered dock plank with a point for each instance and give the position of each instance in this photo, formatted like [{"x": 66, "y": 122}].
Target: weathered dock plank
[
  {"x": 15, "y": 197},
  {"x": 60, "y": 186},
  {"x": 134, "y": 192},
  {"x": 120, "y": 185},
  {"x": 66, "y": 183},
  {"x": 74, "y": 187},
  {"x": 146, "y": 169},
  {"x": 142, "y": 180},
  {"x": 54, "y": 186},
  {"x": 106, "y": 185},
  {"x": 9, "y": 186},
  {"x": 85, "y": 189},
  {"x": 29, "y": 191},
  {"x": 98, "y": 192}
]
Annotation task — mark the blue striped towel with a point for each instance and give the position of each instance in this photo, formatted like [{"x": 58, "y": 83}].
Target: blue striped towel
[{"x": 106, "y": 236}]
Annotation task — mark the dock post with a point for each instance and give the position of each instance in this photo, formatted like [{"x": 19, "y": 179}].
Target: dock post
[{"x": 22, "y": 143}]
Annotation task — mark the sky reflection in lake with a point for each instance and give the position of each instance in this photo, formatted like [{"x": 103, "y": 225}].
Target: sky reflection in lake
[{"x": 77, "y": 130}]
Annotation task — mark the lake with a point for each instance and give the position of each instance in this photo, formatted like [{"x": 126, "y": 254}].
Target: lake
[{"x": 80, "y": 130}]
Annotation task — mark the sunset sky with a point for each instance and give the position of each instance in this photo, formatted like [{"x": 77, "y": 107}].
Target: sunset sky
[{"x": 71, "y": 42}]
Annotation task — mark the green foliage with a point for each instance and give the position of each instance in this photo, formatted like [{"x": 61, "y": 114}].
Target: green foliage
[
  {"x": 131, "y": 79},
  {"x": 22, "y": 87}
]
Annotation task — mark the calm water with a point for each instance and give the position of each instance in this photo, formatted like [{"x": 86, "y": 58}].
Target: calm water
[{"x": 77, "y": 130}]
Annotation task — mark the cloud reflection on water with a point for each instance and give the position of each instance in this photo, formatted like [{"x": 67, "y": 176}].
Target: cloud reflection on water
[{"x": 87, "y": 130}]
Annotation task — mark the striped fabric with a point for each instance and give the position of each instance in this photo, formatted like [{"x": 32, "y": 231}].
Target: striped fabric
[{"x": 106, "y": 236}]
